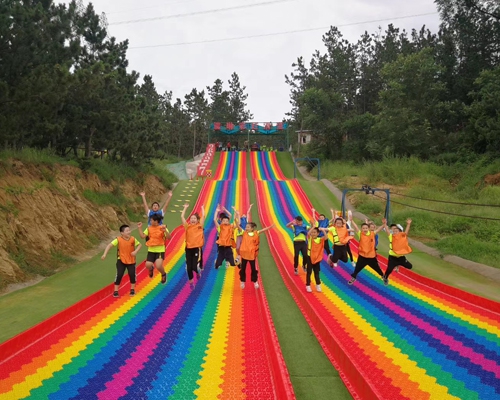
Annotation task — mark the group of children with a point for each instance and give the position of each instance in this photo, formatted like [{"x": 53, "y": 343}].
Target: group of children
[
  {"x": 242, "y": 236},
  {"x": 311, "y": 242}
]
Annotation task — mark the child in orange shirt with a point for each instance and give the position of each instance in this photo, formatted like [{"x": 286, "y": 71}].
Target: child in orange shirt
[
  {"x": 225, "y": 239},
  {"x": 315, "y": 248},
  {"x": 398, "y": 247},
  {"x": 194, "y": 242},
  {"x": 242, "y": 220},
  {"x": 340, "y": 241},
  {"x": 366, "y": 251},
  {"x": 128, "y": 247},
  {"x": 157, "y": 234},
  {"x": 249, "y": 250}
]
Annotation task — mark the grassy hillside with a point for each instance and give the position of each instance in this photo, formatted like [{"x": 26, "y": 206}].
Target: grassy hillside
[{"x": 426, "y": 192}]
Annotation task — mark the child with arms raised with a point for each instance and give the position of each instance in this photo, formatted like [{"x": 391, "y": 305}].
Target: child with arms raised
[
  {"x": 157, "y": 234},
  {"x": 194, "y": 242}
]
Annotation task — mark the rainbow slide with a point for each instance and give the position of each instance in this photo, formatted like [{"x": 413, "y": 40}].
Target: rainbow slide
[
  {"x": 169, "y": 341},
  {"x": 414, "y": 339}
]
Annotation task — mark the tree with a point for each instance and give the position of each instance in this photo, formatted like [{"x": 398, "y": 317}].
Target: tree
[
  {"x": 484, "y": 128},
  {"x": 220, "y": 108},
  {"x": 407, "y": 123},
  {"x": 197, "y": 108},
  {"x": 237, "y": 98}
]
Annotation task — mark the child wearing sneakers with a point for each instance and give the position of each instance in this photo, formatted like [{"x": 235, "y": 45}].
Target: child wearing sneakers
[
  {"x": 157, "y": 234},
  {"x": 322, "y": 222},
  {"x": 315, "y": 248},
  {"x": 340, "y": 239},
  {"x": 366, "y": 251},
  {"x": 224, "y": 212},
  {"x": 225, "y": 241},
  {"x": 242, "y": 222},
  {"x": 398, "y": 247},
  {"x": 127, "y": 248},
  {"x": 299, "y": 242},
  {"x": 249, "y": 250},
  {"x": 194, "y": 243}
]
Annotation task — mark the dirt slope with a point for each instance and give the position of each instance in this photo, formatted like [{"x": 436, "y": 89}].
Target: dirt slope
[{"x": 44, "y": 217}]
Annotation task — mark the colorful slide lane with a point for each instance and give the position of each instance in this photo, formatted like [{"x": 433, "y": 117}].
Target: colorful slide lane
[
  {"x": 413, "y": 339},
  {"x": 169, "y": 341}
]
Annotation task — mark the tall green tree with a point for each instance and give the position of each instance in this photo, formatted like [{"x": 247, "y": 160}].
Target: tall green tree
[
  {"x": 408, "y": 121},
  {"x": 484, "y": 129},
  {"x": 237, "y": 100}
]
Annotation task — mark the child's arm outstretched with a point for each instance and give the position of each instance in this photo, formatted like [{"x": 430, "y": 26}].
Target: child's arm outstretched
[
  {"x": 144, "y": 203},
  {"x": 249, "y": 215},
  {"x": 381, "y": 227},
  {"x": 183, "y": 214},
  {"x": 169, "y": 197},
  {"x": 236, "y": 216},
  {"x": 134, "y": 253},
  {"x": 108, "y": 247},
  {"x": 167, "y": 233},
  {"x": 326, "y": 231},
  {"x": 385, "y": 227},
  {"x": 356, "y": 228},
  {"x": 408, "y": 223},
  {"x": 217, "y": 210},
  {"x": 228, "y": 213},
  {"x": 291, "y": 223},
  {"x": 266, "y": 228},
  {"x": 313, "y": 220},
  {"x": 141, "y": 233},
  {"x": 202, "y": 219}
]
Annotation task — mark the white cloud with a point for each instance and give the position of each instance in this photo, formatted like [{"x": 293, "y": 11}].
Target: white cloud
[{"x": 261, "y": 63}]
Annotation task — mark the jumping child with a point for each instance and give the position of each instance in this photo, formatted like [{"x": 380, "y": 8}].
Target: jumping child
[
  {"x": 242, "y": 222},
  {"x": 249, "y": 250},
  {"x": 398, "y": 247},
  {"x": 322, "y": 222},
  {"x": 157, "y": 235},
  {"x": 366, "y": 251},
  {"x": 315, "y": 247},
  {"x": 194, "y": 242},
  {"x": 225, "y": 240},
  {"x": 127, "y": 248},
  {"x": 299, "y": 242},
  {"x": 155, "y": 207},
  {"x": 340, "y": 240}
]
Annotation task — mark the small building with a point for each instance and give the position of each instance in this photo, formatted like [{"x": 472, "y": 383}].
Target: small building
[{"x": 304, "y": 137}]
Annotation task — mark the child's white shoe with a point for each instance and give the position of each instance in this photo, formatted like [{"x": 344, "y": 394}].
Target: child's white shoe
[{"x": 308, "y": 289}]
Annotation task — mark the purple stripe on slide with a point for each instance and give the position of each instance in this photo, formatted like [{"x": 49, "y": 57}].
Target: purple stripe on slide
[
  {"x": 447, "y": 340},
  {"x": 123, "y": 378}
]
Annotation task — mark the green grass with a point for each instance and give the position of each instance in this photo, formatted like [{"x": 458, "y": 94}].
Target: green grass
[
  {"x": 114, "y": 198},
  {"x": 23, "y": 309},
  {"x": 34, "y": 156},
  {"x": 27, "y": 307},
  {"x": 311, "y": 373},
  {"x": 470, "y": 237},
  {"x": 424, "y": 264},
  {"x": 286, "y": 164}
]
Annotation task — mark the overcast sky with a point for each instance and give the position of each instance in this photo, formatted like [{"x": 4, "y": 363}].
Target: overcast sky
[{"x": 260, "y": 62}]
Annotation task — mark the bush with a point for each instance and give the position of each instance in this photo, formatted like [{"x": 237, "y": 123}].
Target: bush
[{"x": 115, "y": 198}]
